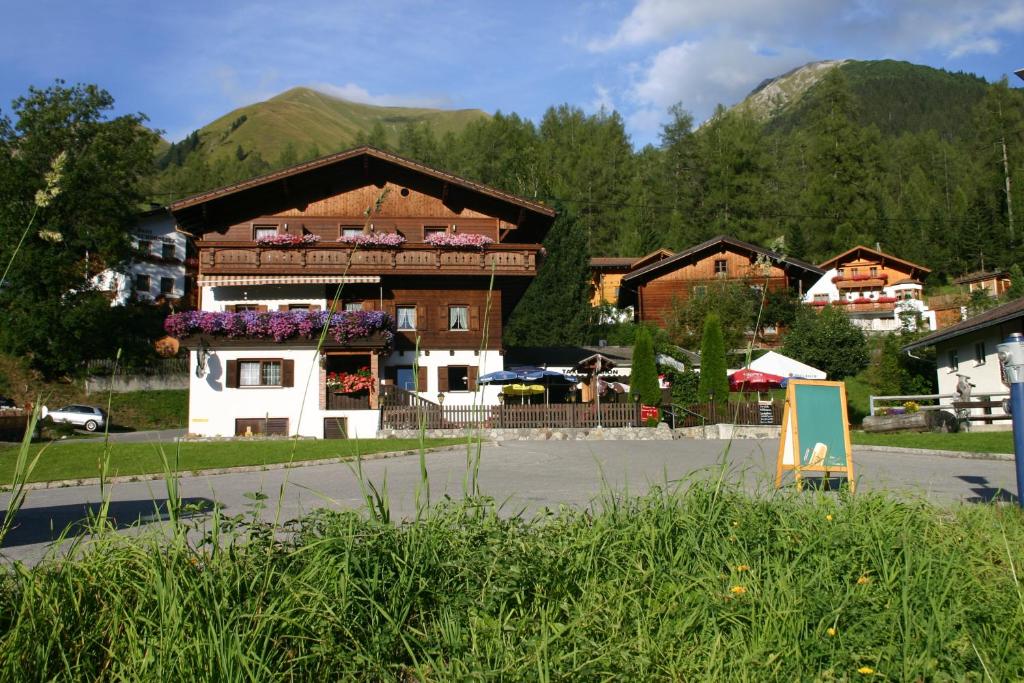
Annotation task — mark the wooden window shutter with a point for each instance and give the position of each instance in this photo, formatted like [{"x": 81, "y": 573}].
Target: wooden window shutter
[
  {"x": 230, "y": 308},
  {"x": 422, "y": 379},
  {"x": 231, "y": 375},
  {"x": 287, "y": 372},
  {"x": 421, "y": 318},
  {"x": 472, "y": 377},
  {"x": 474, "y": 317},
  {"x": 261, "y": 308},
  {"x": 442, "y": 318},
  {"x": 282, "y": 307},
  {"x": 442, "y": 379}
]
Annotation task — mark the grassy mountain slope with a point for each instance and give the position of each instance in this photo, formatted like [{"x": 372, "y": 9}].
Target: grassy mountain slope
[
  {"x": 306, "y": 118},
  {"x": 896, "y": 97}
]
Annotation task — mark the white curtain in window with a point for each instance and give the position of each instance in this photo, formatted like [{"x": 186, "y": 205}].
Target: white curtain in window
[
  {"x": 271, "y": 374},
  {"x": 458, "y": 318},
  {"x": 406, "y": 318},
  {"x": 249, "y": 374}
]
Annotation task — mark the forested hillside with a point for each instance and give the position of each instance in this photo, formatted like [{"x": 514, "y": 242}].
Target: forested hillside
[{"x": 888, "y": 153}]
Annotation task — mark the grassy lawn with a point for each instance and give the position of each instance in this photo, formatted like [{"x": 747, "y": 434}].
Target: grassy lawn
[
  {"x": 706, "y": 584},
  {"x": 980, "y": 442},
  {"x": 147, "y": 409},
  {"x": 79, "y": 459}
]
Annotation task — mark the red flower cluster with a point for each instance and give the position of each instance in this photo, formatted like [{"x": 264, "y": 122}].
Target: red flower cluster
[{"x": 352, "y": 382}]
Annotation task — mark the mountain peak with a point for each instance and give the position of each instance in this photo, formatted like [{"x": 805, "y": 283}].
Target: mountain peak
[{"x": 773, "y": 95}]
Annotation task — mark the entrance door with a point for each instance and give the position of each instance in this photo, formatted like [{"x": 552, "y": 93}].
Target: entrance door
[{"x": 405, "y": 379}]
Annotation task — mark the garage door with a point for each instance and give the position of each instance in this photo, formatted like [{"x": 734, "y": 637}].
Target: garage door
[{"x": 335, "y": 427}]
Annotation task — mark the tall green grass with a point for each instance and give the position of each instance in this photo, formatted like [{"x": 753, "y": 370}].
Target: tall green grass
[{"x": 709, "y": 584}]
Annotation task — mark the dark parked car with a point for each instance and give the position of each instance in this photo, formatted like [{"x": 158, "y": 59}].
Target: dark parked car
[{"x": 7, "y": 403}]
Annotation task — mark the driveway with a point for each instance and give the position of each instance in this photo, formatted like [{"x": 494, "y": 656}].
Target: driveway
[{"x": 523, "y": 476}]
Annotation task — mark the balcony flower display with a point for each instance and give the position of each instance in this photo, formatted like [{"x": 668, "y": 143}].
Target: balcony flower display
[
  {"x": 863, "y": 300},
  {"x": 387, "y": 240},
  {"x": 287, "y": 240},
  {"x": 886, "y": 299},
  {"x": 820, "y": 303},
  {"x": 351, "y": 382},
  {"x": 342, "y": 327},
  {"x": 460, "y": 240}
]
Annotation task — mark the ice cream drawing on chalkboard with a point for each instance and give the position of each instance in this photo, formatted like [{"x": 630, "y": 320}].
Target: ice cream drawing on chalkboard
[{"x": 818, "y": 454}]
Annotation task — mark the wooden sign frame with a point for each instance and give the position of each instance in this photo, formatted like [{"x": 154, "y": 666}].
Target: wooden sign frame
[{"x": 792, "y": 456}]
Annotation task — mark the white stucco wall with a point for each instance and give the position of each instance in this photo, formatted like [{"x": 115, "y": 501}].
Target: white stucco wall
[
  {"x": 485, "y": 362},
  {"x": 157, "y": 229}
]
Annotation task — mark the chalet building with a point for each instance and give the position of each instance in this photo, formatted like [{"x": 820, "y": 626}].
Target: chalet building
[
  {"x": 994, "y": 284},
  {"x": 159, "y": 270},
  {"x": 606, "y": 273},
  {"x": 656, "y": 288},
  {"x": 407, "y": 251},
  {"x": 880, "y": 292}
]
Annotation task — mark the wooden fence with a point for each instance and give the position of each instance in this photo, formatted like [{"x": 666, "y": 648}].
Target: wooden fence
[
  {"x": 555, "y": 415},
  {"x": 746, "y": 413}
]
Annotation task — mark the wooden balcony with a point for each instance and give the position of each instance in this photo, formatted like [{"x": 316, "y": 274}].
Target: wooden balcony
[
  {"x": 872, "y": 307},
  {"x": 248, "y": 258}
]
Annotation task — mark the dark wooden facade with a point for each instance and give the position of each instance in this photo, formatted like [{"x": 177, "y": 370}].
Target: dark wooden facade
[
  {"x": 657, "y": 288},
  {"x": 372, "y": 191}
]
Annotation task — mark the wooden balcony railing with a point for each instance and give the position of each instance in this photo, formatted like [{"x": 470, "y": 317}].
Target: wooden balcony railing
[{"x": 248, "y": 258}]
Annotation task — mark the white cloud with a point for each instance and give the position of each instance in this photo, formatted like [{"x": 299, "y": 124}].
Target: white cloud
[
  {"x": 982, "y": 46},
  {"x": 356, "y": 93},
  {"x": 703, "y": 74},
  {"x": 602, "y": 99}
]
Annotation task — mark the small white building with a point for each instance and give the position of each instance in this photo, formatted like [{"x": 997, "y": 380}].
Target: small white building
[
  {"x": 969, "y": 348},
  {"x": 158, "y": 269},
  {"x": 879, "y": 292}
]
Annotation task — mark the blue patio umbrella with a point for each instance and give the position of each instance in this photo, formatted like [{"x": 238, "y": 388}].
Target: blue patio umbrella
[{"x": 499, "y": 377}]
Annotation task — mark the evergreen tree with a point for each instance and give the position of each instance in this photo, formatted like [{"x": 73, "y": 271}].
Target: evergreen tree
[
  {"x": 714, "y": 380},
  {"x": 555, "y": 309},
  {"x": 1016, "y": 288},
  {"x": 643, "y": 381}
]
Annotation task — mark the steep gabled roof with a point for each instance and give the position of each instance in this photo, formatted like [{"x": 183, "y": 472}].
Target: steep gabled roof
[
  {"x": 360, "y": 166},
  {"x": 993, "y": 316},
  {"x": 860, "y": 248},
  {"x": 980, "y": 276},
  {"x": 628, "y": 262},
  {"x": 675, "y": 260}
]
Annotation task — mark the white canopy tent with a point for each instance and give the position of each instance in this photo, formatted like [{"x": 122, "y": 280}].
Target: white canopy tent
[{"x": 784, "y": 366}]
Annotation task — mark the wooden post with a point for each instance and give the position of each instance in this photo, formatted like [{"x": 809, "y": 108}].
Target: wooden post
[{"x": 374, "y": 369}]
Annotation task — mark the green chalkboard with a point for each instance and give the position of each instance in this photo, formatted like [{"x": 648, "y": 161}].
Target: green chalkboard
[{"x": 821, "y": 418}]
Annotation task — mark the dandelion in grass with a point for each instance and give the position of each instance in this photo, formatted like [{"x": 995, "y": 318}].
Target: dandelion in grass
[
  {"x": 735, "y": 524},
  {"x": 831, "y": 631},
  {"x": 866, "y": 670},
  {"x": 743, "y": 567},
  {"x": 863, "y": 580},
  {"x": 737, "y": 590},
  {"x": 828, "y": 518}
]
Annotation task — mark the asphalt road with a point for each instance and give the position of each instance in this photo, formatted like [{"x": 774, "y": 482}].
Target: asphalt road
[{"x": 523, "y": 476}]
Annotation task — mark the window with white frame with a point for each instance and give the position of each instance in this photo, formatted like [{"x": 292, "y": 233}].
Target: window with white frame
[
  {"x": 259, "y": 373},
  {"x": 351, "y": 230},
  {"x": 263, "y": 231},
  {"x": 458, "y": 318},
  {"x": 406, "y": 317}
]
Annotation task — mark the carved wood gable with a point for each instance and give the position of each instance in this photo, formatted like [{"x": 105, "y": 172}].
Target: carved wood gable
[{"x": 398, "y": 202}]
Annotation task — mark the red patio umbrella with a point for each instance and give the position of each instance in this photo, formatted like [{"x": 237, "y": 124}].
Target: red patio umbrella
[{"x": 753, "y": 380}]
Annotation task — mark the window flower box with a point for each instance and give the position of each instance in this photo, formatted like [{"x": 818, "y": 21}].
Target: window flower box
[
  {"x": 342, "y": 327},
  {"x": 385, "y": 240},
  {"x": 287, "y": 240},
  {"x": 351, "y": 382},
  {"x": 820, "y": 303},
  {"x": 467, "y": 241}
]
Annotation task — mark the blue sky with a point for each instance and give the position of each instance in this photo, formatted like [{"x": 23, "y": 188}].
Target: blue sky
[{"x": 186, "y": 63}]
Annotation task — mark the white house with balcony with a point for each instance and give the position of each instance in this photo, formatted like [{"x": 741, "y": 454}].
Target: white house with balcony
[
  {"x": 880, "y": 293},
  {"x": 157, "y": 270}
]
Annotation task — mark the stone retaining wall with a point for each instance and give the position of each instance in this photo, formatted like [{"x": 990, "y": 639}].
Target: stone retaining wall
[
  {"x": 660, "y": 433},
  {"x": 125, "y": 383}
]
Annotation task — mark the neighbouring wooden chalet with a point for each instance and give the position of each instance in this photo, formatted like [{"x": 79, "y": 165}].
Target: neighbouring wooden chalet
[
  {"x": 878, "y": 291},
  {"x": 655, "y": 289},
  {"x": 606, "y": 273},
  {"x": 992, "y": 283},
  {"x": 409, "y": 251}
]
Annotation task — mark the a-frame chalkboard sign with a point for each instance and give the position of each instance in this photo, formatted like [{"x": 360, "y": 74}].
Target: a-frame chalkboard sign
[{"x": 815, "y": 432}]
